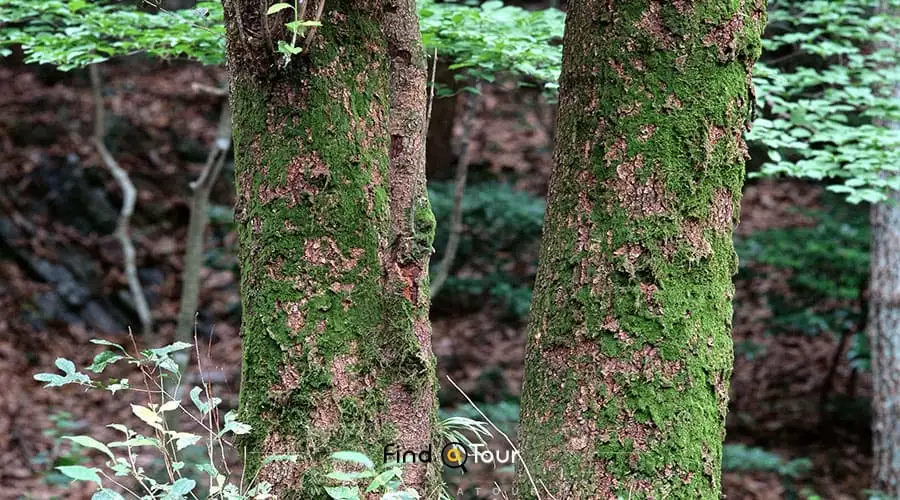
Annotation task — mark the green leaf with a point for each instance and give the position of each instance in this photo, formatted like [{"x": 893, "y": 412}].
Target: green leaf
[
  {"x": 278, "y": 7},
  {"x": 381, "y": 480},
  {"x": 121, "y": 428},
  {"x": 207, "y": 468},
  {"x": 184, "y": 439},
  {"x": 105, "y": 494},
  {"x": 295, "y": 26},
  {"x": 80, "y": 473},
  {"x": 204, "y": 408},
  {"x": 288, "y": 49},
  {"x": 180, "y": 489},
  {"x": 281, "y": 458},
  {"x": 122, "y": 384},
  {"x": 108, "y": 343},
  {"x": 136, "y": 441},
  {"x": 71, "y": 375},
  {"x": 349, "y": 477},
  {"x": 147, "y": 415},
  {"x": 355, "y": 457},
  {"x": 232, "y": 425},
  {"x": 169, "y": 406},
  {"x": 89, "y": 442},
  {"x": 104, "y": 359},
  {"x": 342, "y": 492}
]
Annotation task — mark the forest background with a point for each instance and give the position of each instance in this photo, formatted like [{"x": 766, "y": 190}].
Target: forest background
[{"x": 799, "y": 420}]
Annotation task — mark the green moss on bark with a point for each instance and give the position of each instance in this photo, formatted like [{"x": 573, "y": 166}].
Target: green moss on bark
[
  {"x": 328, "y": 346},
  {"x": 629, "y": 350}
]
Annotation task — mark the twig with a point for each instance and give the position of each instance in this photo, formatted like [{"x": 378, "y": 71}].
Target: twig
[
  {"x": 129, "y": 197},
  {"x": 209, "y": 89},
  {"x": 264, "y": 20},
  {"x": 431, "y": 93},
  {"x": 508, "y": 440},
  {"x": 312, "y": 31},
  {"x": 462, "y": 170}
]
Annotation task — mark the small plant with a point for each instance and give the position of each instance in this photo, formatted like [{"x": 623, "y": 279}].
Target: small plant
[
  {"x": 386, "y": 479},
  {"x": 298, "y": 27},
  {"x": 170, "y": 445}
]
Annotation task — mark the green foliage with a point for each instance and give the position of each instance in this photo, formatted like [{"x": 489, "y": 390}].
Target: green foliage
[
  {"x": 386, "y": 479},
  {"x": 170, "y": 445},
  {"x": 742, "y": 458},
  {"x": 297, "y": 27},
  {"x": 827, "y": 85},
  {"x": 827, "y": 265},
  {"x": 75, "y": 33},
  {"x": 492, "y": 38},
  {"x": 825, "y": 81},
  {"x": 501, "y": 224},
  {"x": 482, "y": 41},
  {"x": 63, "y": 453},
  {"x": 504, "y": 414}
]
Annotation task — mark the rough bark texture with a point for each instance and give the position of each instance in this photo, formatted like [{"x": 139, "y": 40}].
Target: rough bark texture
[
  {"x": 884, "y": 334},
  {"x": 629, "y": 348},
  {"x": 883, "y": 326},
  {"x": 335, "y": 233}
]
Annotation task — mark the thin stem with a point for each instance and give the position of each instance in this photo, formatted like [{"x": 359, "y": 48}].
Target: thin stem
[
  {"x": 462, "y": 170},
  {"x": 129, "y": 195}
]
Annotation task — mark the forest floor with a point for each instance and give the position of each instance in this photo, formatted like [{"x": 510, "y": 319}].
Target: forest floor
[{"x": 160, "y": 130}]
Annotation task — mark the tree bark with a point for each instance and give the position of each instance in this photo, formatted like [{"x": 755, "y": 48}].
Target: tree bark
[
  {"x": 883, "y": 326},
  {"x": 629, "y": 349},
  {"x": 884, "y": 335},
  {"x": 335, "y": 233}
]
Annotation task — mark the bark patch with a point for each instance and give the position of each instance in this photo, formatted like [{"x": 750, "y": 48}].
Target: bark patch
[
  {"x": 651, "y": 22},
  {"x": 725, "y": 36}
]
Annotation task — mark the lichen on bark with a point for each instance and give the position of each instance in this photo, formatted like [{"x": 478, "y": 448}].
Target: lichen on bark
[
  {"x": 336, "y": 349},
  {"x": 629, "y": 349}
]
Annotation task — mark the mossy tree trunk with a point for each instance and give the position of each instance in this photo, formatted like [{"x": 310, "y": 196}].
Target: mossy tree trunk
[
  {"x": 629, "y": 348},
  {"x": 335, "y": 234}
]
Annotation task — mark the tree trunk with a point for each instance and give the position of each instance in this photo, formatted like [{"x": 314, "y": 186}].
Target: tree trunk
[
  {"x": 884, "y": 334},
  {"x": 883, "y": 325},
  {"x": 335, "y": 233},
  {"x": 629, "y": 348}
]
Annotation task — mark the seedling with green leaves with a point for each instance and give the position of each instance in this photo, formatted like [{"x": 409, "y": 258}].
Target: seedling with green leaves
[{"x": 154, "y": 434}]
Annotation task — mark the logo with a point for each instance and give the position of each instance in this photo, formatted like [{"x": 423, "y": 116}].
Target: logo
[{"x": 454, "y": 455}]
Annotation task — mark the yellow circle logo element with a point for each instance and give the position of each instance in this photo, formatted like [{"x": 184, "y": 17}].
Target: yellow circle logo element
[{"x": 455, "y": 455}]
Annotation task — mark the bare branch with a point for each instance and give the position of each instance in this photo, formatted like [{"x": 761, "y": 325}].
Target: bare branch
[
  {"x": 462, "y": 170},
  {"x": 209, "y": 89},
  {"x": 312, "y": 31},
  {"x": 431, "y": 92},
  {"x": 193, "y": 259},
  {"x": 129, "y": 197}
]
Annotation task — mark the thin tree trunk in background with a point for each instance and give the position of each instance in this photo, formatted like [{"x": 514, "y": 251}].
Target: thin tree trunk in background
[
  {"x": 193, "y": 256},
  {"x": 473, "y": 99},
  {"x": 629, "y": 349},
  {"x": 884, "y": 335},
  {"x": 335, "y": 233}
]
